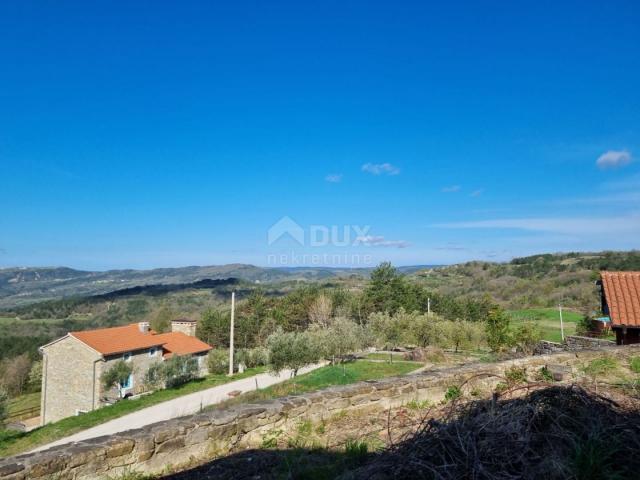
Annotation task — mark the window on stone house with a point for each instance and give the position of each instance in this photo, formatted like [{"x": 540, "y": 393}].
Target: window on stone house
[{"x": 128, "y": 383}]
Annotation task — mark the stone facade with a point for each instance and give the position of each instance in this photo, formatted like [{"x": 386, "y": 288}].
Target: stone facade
[
  {"x": 216, "y": 433},
  {"x": 188, "y": 327},
  {"x": 70, "y": 379},
  {"x": 140, "y": 361}
]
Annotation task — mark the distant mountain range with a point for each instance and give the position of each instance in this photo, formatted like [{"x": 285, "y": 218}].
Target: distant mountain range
[{"x": 21, "y": 286}]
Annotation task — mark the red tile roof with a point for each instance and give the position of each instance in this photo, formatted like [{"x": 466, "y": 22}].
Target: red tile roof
[
  {"x": 129, "y": 338},
  {"x": 109, "y": 341},
  {"x": 179, "y": 343},
  {"x": 622, "y": 293}
]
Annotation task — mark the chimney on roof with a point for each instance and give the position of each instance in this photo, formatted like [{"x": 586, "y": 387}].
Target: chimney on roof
[
  {"x": 184, "y": 325},
  {"x": 143, "y": 327}
]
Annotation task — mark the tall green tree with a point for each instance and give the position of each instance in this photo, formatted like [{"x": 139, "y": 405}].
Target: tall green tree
[
  {"x": 386, "y": 289},
  {"x": 497, "y": 329},
  {"x": 214, "y": 326}
]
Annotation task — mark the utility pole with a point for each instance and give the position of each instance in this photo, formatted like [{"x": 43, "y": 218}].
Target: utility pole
[
  {"x": 233, "y": 312},
  {"x": 561, "y": 323},
  {"x": 428, "y": 306}
]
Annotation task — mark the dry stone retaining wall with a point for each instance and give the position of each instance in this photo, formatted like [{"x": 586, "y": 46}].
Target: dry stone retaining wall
[{"x": 216, "y": 433}]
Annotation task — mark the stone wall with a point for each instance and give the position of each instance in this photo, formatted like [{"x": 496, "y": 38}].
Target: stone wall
[
  {"x": 70, "y": 382},
  {"x": 575, "y": 342},
  {"x": 216, "y": 433},
  {"x": 572, "y": 343}
]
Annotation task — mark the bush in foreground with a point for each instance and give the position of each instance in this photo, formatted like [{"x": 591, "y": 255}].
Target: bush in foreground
[{"x": 554, "y": 433}]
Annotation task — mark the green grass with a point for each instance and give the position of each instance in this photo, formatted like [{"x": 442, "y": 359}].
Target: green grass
[
  {"x": 634, "y": 364},
  {"x": 328, "y": 376},
  {"x": 12, "y": 442},
  {"x": 549, "y": 321},
  {"x": 23, "y": 402}
]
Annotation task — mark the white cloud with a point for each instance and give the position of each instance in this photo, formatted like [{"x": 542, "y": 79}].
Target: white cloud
[
  {"x": 379, "y": 241},
  {"x": 334, "y": 178},
  {"x": 614, "y": 159},
  {"x": 569, "y": 226},
  {"x": 477, "y": 193},
  {"x": 380, "y": 169},
  {"x": 451, "y": 189}
]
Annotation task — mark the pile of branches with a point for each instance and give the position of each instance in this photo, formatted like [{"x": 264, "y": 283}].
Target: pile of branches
[{"x": 557, "y": 432}]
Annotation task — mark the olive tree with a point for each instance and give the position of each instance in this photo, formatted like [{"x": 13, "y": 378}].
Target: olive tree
[
  {"x": 116, "y": 375},
  {"x": 179, "y": 369},
  {"x": 392, "y": 330},
  {"x": 342, "y": 338},
  {"x": 293, "y": 350}
]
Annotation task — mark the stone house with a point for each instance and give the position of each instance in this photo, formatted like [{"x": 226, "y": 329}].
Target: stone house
[{"x": 73, "y": 364}]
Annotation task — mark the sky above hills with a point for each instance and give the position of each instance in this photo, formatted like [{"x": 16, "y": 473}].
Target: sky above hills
[{"x": 146, "y": 134}]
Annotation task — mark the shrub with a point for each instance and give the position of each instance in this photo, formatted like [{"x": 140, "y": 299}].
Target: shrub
[
  {"x": 218, "y": 361},
  {"x": 251, "y": 357},
  {"x": 585, "y": 326},
  {"x": 526, "y": 337},
  {"x": 545, "y": 375},
  {"x": 515, "y": 375},
  {"x": 154, "y": 378},
  {"x": 179, "y": 369},
  {"x": 452, "y": 393},
  {"x": 4, "y": 398}
]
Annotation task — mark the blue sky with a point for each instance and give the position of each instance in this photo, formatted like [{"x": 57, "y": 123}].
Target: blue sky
[{"x": 145, "y": 134}]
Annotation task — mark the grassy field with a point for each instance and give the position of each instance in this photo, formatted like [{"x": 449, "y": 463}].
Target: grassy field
[
  {"x": 23, "y": 402},
  {"x": 12, "y": 442},
  {"x": 549, "y": 321},
  {"x": 328, "y": 376}
]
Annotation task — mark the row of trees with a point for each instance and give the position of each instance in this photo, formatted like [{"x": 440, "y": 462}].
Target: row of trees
[{"x": 388, "y": 291}]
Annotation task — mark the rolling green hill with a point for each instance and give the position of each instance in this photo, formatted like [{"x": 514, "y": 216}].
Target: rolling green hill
[{"x": 536, "y": 281}]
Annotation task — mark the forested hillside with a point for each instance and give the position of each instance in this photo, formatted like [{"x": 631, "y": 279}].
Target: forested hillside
[
  {"x": 535, "y": 281},
  {"x": 22, "y": 286}
]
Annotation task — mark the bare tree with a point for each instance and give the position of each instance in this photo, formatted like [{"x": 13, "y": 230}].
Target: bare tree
[
  {"x": 16, "y": 374},
  {"x": 321, "y": 310}
]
